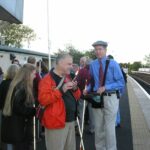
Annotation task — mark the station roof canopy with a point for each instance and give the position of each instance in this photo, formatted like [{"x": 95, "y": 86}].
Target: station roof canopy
[
  {"x": 23, "y": 51},
  {"x": 6, "y": 16}
]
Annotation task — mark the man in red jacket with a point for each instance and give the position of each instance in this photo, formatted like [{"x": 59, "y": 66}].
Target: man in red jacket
[{"x": 60, "y": 113}]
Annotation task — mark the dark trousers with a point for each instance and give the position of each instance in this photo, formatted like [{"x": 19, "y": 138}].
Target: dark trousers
[
  {"x": 23, "y": 146},
  {"x": 27, "y": 144}
]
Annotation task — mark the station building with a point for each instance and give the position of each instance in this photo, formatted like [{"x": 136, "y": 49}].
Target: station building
[{"x": 7, "y": 54}]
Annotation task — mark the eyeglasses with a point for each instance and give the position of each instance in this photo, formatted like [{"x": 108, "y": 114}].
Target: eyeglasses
[{"x": 99, "y": 49}]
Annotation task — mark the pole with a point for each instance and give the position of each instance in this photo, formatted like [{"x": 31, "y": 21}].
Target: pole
[
  {"x": 34, "y": 135},
  {"x": 81, "y": 135},
  {"x": 83, "y": 114},
  {"x": 48, "y": 35}
]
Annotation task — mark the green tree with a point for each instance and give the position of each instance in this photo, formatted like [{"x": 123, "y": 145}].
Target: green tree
[
  {"x": 90, "y": 54},
  {"x": 3, "y": 24},
  {"x": 73, "y": 52},
  {"x": 136, "y": 65},
  {"x": 15, "y": 34},
  {"x": 147, "y": 59}
]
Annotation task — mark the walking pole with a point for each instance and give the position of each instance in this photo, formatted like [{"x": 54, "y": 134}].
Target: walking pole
[
  {"x": 34, "y": 135},
  {"x": 81, "y": 135},
  {"x": 83, "y": 114}
]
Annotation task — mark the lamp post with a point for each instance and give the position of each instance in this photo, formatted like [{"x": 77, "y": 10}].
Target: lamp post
[{"x": 48, "y": 36}]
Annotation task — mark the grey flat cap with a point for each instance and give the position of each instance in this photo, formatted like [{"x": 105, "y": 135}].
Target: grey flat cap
[{"x": 102, "y": 43}]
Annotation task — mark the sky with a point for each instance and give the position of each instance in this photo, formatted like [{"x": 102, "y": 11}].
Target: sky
[{"x": 124, "y": 24}]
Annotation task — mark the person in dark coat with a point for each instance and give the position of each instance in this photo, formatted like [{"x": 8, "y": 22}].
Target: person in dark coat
[
  {"x": 18, "y": 110},
  {"x": 42, "y": 68},
  {"x": 16, "y": 61},
  {"x": 32, "y": 60},
  {"x": 1, "y": 75},
  {"x": 12, "y": 70}
]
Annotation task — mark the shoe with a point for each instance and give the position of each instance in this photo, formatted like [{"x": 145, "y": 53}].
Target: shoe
[
  {"x": 118, "y": 125},
  {"x": 77, "y": 132},
  {"x": 89, "y": 132}
]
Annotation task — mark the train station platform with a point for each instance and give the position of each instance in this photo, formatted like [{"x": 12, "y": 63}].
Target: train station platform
[
  {"x": 134, "y": 133},
  {"x": 139, "y": 102}
]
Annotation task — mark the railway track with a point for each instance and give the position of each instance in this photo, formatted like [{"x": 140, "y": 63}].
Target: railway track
[{"x": 143, "y": 79}]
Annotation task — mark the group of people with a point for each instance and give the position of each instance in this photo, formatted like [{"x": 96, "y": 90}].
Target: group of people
[
  {"x": 18, "y": 98},
  {"x": 99, "y": 82}
]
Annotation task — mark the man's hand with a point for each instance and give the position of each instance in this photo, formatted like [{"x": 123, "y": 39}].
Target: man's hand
[
  {"x": 69, "y": 85},
  {"x": 85, "y": 92},
  {"x": 101, "y": 90},
  {"x": 75, "y": 87}
]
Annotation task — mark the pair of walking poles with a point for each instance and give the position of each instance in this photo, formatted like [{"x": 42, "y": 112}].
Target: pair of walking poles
[{"x": 81, "y": 128}]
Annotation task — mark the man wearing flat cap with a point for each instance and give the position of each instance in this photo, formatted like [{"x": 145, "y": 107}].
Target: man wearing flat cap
[
  {"x": 105, "y": 115},
  {"x": 100, "y": 43}
]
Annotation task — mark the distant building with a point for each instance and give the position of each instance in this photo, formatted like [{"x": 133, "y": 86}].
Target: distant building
[
  {"x": 144, "y": 70},
  {"x": 8, "y": 53},
  {"x": 11, "y": 10}
]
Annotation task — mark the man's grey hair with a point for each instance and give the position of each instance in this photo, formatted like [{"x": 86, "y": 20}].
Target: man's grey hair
[
  {"x": 62, "y": 56},
  {"x": 31, "y": 60},
  {"x": 86, "y": 60}
]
